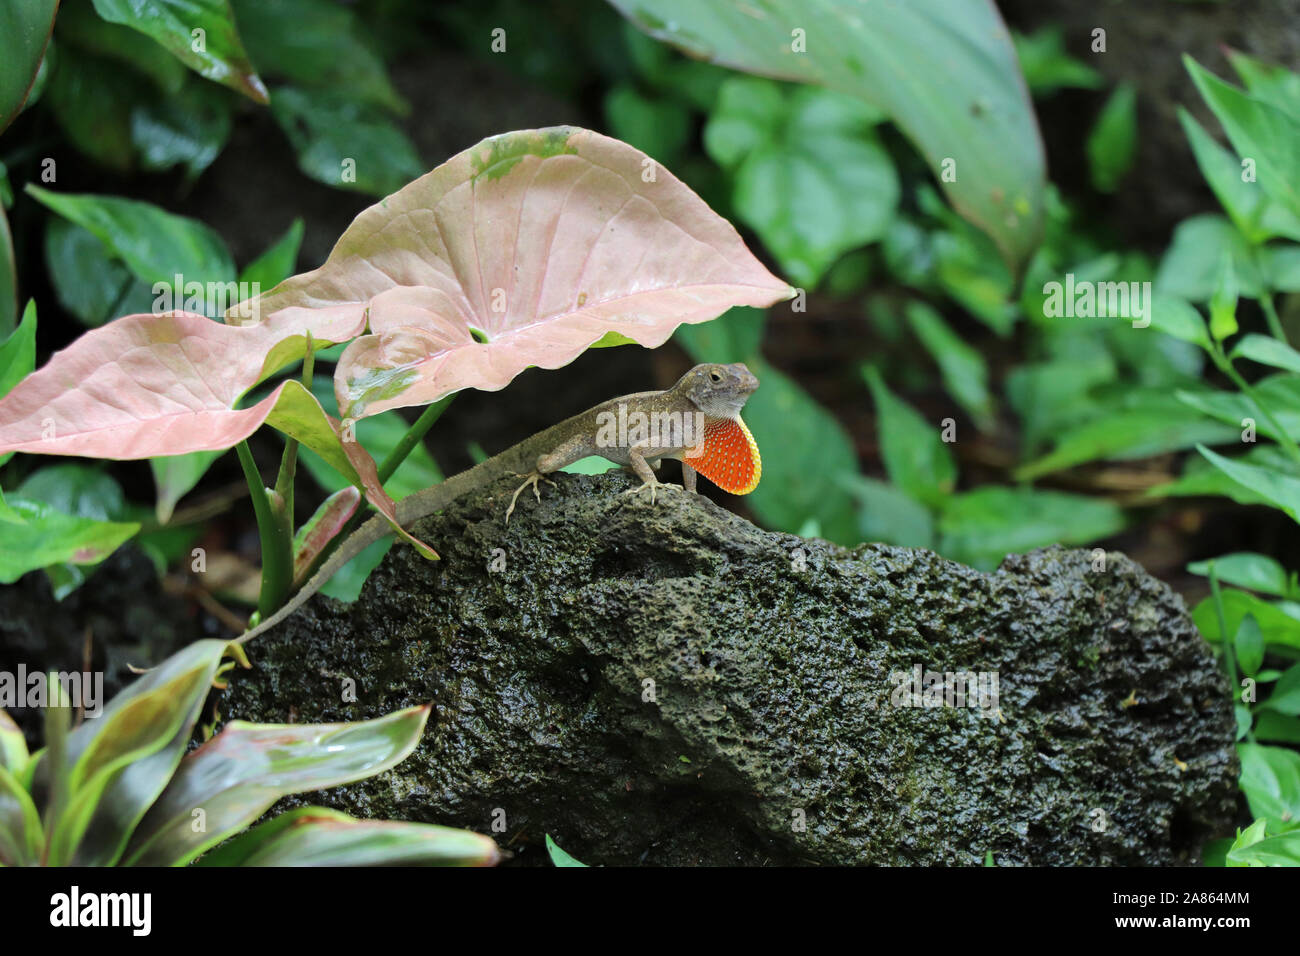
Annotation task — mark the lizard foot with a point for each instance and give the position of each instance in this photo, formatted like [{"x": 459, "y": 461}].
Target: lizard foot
[
  {"x": 653, "y": 487},
  {"x": 532, "y": 478}
]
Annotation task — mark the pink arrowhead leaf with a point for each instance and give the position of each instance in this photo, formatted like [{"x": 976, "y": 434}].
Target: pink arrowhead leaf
[
  {"x": 523, "y": 250},
  {"x": 149, "y": 385}
]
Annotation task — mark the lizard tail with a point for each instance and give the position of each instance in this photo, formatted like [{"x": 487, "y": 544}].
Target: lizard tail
[{"x": 370, "y": 532}]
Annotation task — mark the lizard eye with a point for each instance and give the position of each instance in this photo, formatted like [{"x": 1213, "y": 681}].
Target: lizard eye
[{"x": 714, "y": 376}]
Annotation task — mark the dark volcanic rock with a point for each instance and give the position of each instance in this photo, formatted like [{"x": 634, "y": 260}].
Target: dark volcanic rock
[{"x": 667, "y": 683}]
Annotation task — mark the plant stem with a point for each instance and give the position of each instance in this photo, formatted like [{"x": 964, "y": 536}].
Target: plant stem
[
  {"x": 276, "y": 538},
  {"x": 1229, "y": 650},
  {"x": 1270, "y": 315},
  {"x": 1225, "y": 365},
  {"x": 412, "y": 437},
  {"x": 289, "y": 461}
]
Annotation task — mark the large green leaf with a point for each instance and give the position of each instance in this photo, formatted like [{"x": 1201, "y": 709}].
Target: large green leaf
[
  {"x": 25, "y": 26},
  {"x": 1276, "y": 625},
  {"x": 811, "y": 177},
  {"x": 887, "y": 513},
  {"x": 981, "y": 527},
  {"x": 21, "y": 837},
  {"x": 315, "y": 43},
  {"x": 963, "y": 369},
  {"x": 1112, "y": 143},
  {"x": 1270, "y": 777},
  {"x": 236, "y": 776},
  {"x": 915, "y": 455},
  {"x": 345, "y": 143},
  {"x": 1280, "y": 850},
  {"x": 1280, "y": 488},
  {"x": 200, "y": 33},
  {"x": 1148, "y": 425},
  {"x": 1191, "y": 264},
  {"x": 1259, "y": 131},
  {"x": 121, "y": 760},
  {"x": 1252, "y": 212},
  {"x": 49, "y": 537},
  {"x": 8, "y": 277},
  {"x": 91, "y": 282},
  {"x": 944, "y": 71},
  {"x": 154, "y": 244},
  {"x": 1258, "y": 572},
  {"x": 318, "y": 836}
]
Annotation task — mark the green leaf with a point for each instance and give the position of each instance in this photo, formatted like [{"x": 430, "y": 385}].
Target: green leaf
[
  {"x": 1280, "y": 850},
  {"x": 1277, "y": 487},
  {"x": 13, "y": 746},
  {"x": 1285, "y": 697},
  {"x": 1277, "y": 626},
  {"x": 887, "y": 513},
  {"x": 1193, "y": 262},
  {"x": 1246, "y": 569},
  {"x": 1112, "y": 144},
  {"x": 1267, "y": 351},
  {"x": 817, "y": 185},
  {"x": 347, "y": 582},
  {"x": 1178, "y": 318},
  {"x": 1223, "y": 302},
  {"x": 18, "y": 353},
  {"x": 734, "y": 336},
  {"x": 558, "y": 856},
  {"x": 122, "y": 759},
  {"x": 1279, "y": 728},
  {"x": 945, "y": 73},
  {"x": 316, "y": 43},
  {"x": 188, "y": 128},
  {"x": 916, "y": 458},
  {"x": 1270, "y": 778},
  {"x": 344, "y": 143},
  {"x": 21, "y": 837},
  {"x": 1268, "y": 82},
  {"x": 318, "y": 836},
  {"x": 660, "y": 128},
  {"x": 1278, "y": 393},
  {"x": 82, "y": 491},
  {"x": 175, "y": 476},
  {"x": 25, "y": 26},
  {"x": 200, "y": 33},
  {"x": 964, "y": 372},
  {"x": 154, "y": 244},
  {"x": 1046, "y": 65},
  {"x": 91, "y": 98},
  {"x": 242, "y": 771},
  {"x": 48, "y": 537},
  {"x": 1259, "y": 131},
  {"x": 8, "y": 276},
  {"x": 1249, "y": 645},
  {"x": 981, "y": 527},
  {"x": 1152, "y": 424},
  {"x": 1256, "y": 216},
  {"x": 276, "y": 264},
  {"x": 89, "y": 280}
]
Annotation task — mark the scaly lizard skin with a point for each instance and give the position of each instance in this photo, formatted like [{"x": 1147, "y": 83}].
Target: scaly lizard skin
[{"x": 696, "y": 421}]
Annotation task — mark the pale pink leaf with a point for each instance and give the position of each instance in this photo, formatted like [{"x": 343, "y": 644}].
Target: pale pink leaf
[{"x": 541, "y": 242}]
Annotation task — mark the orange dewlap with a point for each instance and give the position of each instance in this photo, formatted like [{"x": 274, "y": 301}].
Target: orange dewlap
[{"x": 729, "y": 458}]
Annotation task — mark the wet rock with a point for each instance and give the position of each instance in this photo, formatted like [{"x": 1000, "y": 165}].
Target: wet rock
[{"x": 668, "y": 684}]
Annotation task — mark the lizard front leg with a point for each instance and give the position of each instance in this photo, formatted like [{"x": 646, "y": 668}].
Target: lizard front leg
[{"x": 642, "y": 467}]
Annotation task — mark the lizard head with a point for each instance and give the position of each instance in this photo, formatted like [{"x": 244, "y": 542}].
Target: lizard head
[{"x": 719, "y": 391}]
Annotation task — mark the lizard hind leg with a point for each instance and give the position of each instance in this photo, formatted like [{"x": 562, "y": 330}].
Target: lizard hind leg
[{"x": 532, "y": 478}]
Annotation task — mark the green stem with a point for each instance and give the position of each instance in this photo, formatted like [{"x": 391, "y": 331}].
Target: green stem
[
  {"x": 412, "y": 437},
  {"x": 1284, "y": 439},
  {"x": 276, "y": 537},
  {"x": 1229, "y": 650},
  {"x": 289, "y": 461},
  {"x": 1270, "y": 315}
]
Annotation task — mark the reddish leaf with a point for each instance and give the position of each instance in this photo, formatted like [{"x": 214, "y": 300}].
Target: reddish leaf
[{"x": 541, "y": 242}]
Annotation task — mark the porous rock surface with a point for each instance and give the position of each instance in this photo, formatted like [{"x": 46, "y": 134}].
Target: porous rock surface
[{"x": 666, "y": 683}]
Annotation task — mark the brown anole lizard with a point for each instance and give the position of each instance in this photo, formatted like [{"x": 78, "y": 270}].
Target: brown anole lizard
[{"x": 696, "y": 421}]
